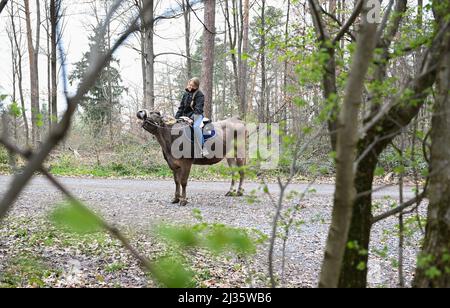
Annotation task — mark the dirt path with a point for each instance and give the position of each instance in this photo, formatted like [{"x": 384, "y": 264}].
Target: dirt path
[{"x": 142, "y": 204}]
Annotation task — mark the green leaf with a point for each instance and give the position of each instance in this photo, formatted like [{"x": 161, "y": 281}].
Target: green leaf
[
  {"x": 197, "y": 214},
  {"x": 245, "y": 56},
  {"x": 299, "y": 102},
  {"x": 170, "y": 272},
  {"x": 182, "y": 236},
  {"x": 40, "y": 120},
  {"x": 400, "y": 170},
  {"x": 77, "y": 218},
  {"x": 433, "y": 272},
  {"x": 379, "y": 171},
  {"x": 15, "y": 110},
  {"x": 332, "y": 155},
  {"x": 222, "y": 238},
  {"x": 361, "y": 266}
]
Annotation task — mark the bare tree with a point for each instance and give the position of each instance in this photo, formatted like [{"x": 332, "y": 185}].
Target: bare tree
[
  {"x": 243, "y": 67},
  {"x": 149, "y": 55},
  {"x": 264, "y": 105},
  {"x": 55, "y": 16},
  {"x": 186, "y": 7},
  {"x": 33, "y": 54},
  {"x": 17, "y": 36},
  {"x": 35, "y": 159},
  {"x": 232, "y": 41},
  {"x": 209, "y": 35},
  {"x": 286, "y": 67}
]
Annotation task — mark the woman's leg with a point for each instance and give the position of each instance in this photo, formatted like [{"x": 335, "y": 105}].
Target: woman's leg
[{"x": 198, "y": 136}]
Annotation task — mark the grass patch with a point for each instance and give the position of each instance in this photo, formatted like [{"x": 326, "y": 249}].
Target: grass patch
[{"x": 25, "y": 270}]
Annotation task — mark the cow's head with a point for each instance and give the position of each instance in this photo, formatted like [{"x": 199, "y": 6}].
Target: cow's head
[{"x": 152, "y": 120}]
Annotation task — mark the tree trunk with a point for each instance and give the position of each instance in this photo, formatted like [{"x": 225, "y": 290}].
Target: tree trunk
[
  {"x": 143, "y": 67},
  {"x": 354, "y": 270},
  {"x": 149, "y": 55},
  {"x": 286, "y": 67},
  {"x": 329, "y": 77},
  {"x": 354, "y": 266},
  {"x": 208, "y": 55},
  {"x": 244, "y": 59},
  {"x": 33, "y": 53},
  {"x": 49, "y": 66},
  {"x": 346, "y": 155},
  {"x": 262, "y": 51},
  {"x": 232, "y": 33},
  {"x": 224, "y": 77},
  {"x": 433, "y": 269},
  {"x": 55, "y": 6},
  {"x": 187, "y": 36}
]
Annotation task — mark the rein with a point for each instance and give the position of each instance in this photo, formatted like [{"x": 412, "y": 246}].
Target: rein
[{"x": 151, "y": 123}]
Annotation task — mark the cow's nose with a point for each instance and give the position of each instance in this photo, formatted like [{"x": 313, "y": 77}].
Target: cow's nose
[{"x": 142, "y": 114}]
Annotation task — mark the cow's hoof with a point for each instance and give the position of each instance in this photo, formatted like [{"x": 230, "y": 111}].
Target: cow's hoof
[
  {"x": 176, "y": 201},
  {"x": 231, "y": 194},
  {"x": 184, "y": 202},
  {"x": 240, "y": 193}
]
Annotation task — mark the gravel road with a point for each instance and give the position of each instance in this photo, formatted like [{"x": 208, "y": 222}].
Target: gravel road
[{"x": 140, "y": 204}]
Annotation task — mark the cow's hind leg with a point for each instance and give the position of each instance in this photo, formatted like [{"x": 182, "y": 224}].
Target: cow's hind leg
[
  {"x": 232, "y": 164},
  {"x": 241, "y": 165}
]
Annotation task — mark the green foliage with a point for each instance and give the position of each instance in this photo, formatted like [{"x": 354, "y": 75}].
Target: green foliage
[
  {"x": 102, "y": 102},
  {"x": 76, "y": 217},
  {"x": 217, "y": 238},
  {"x": 15, "y": 110},
  {"x": 115, "y": 267},
  {"x": 24, "y": 270},
  {"x": 433, "y": 272},
  {"x": 3, "y": 156},
  {"x": 172, "y": 273},
  {"x": 361, "y": 266}
]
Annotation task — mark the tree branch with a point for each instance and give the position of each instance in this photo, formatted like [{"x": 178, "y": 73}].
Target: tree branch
[
  {"x": 114, "y": 232},
  {"x": 318, "y": 20},
  {"x": 98, "y": 62},
  {"x": 176, "y": 54},
  {"x": 2, "y": 5},
  {"x": 349, "y": 23},
  {"x": 398, "y": 209}
]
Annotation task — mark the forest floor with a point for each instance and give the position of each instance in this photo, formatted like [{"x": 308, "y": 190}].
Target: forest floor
[{"x": 33, "y": 253}]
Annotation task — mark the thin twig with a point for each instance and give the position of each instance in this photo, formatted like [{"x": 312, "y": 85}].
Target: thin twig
[{"x": 144, "y": 262}]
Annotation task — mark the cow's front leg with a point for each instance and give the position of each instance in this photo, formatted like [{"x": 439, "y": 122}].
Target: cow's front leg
[
  {"x": 184, "y": 176},
  {"x": 176, "y": 177}
]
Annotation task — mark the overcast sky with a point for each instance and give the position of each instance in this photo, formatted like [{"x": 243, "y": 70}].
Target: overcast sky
[
  {"x": 76, "y": 43},
  {"x": 169, "y": 38}
]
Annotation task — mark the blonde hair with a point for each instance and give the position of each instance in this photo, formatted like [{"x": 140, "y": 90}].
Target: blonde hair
[{"x": 196, "y": 81}]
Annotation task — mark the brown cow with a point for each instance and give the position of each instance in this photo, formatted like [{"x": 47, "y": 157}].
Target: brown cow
[{"x": 229, "y": 132}]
